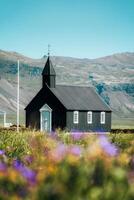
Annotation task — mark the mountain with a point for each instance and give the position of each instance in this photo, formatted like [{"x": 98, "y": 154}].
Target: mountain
[{"x": 112, "y": 76}]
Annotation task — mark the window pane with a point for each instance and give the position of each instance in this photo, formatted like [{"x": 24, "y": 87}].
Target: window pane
[
  {"x": 102, "y": 118},
  {"x": 89, "y": 117},
  {"x": 76, "y": 117}
]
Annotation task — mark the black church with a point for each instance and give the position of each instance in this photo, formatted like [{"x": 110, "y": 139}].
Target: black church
[{"x": 66, "y": 107}]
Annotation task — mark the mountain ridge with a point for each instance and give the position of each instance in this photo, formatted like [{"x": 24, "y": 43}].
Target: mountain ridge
[{"x": 13, "y": 53}]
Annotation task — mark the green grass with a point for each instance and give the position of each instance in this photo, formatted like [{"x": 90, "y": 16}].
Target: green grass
[
  {"x": 65, "y": 166},
  {"x": 123, "y": 123}
]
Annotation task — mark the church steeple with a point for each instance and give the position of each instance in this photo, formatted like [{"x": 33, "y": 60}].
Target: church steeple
[{"x": 48, "y": 74}]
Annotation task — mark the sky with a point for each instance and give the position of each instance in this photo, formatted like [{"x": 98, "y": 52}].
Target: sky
[{"x": 75, "y": 28}]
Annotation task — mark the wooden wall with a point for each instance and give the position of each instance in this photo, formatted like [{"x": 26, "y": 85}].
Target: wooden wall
[{"x": 84, "y": 126}]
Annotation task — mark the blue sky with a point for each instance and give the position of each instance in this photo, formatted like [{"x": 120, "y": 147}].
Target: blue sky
[{"x": 76, "y": 28}]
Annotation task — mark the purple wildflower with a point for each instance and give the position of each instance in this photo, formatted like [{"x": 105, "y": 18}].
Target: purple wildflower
[
  {"x": 109, "y": 148},
  {"x": 60, "y": 152},
  {"x": 77, "y": 135},
  {"x": 2, "y": 152},
  {"x": 75, "y": 150},
  {"x": 2, "y": 166},
  {"x": 17, "y": 164},
  {"x": 25, "y": 171},
  {"x": 29, "y": 174}
]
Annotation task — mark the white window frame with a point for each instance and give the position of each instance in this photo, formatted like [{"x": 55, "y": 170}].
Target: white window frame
[
  {"x": 89, "y": 117},
  {"x": 102, "y": 117},
  {"x": 76, "y": 117},
  {"x": 45, "y": 108}
]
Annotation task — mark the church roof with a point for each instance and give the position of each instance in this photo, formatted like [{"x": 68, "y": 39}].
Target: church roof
[
  {"x": 79, "y": 98},
  {"x": 48, "y": 68},
  {"x": 72, "y": 98}
]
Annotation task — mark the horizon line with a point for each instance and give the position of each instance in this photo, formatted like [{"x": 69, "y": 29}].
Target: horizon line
[{"x": 73, "y": 57}]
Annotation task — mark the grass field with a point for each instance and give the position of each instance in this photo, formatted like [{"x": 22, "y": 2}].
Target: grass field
[
  {"x": 123, "y": 123},
  {"x": 66, "y": 166}
]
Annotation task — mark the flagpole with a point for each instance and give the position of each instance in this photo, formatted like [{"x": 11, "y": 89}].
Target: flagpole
[
  {"x": 4, "y": 119},
  {"x": 18, "y": 95}
]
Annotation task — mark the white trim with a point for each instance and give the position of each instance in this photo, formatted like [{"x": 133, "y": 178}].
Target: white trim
[
  {"x": 89, "y": 117},
  {"x": 76, "y": 117},
  {"x": 45, "y": 108},
  {"x": 102, "y": 117}
]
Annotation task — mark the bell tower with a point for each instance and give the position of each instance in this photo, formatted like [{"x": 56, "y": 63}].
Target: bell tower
[{"x": 48, "y": 74}]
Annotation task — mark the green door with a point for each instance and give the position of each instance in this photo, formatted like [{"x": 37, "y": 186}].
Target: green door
[{"x": 46, "y": 121}]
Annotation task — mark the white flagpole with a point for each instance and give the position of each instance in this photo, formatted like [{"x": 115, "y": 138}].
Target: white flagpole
[
  {"x": 4, "y": 119},
  {"x": 18, "y": 95}
]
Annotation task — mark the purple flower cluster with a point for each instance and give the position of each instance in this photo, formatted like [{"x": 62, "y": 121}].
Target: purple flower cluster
[
  {"x": 77, "y": 135},
  {"x": 2, "y": 152},
  {"x": 109, "y": 148},
  {"x": 60, "y": 151},
  {"x": 25, "y": 171},
  {"x": 3, "y": 166},
  {"x": 75, "y": 150}
]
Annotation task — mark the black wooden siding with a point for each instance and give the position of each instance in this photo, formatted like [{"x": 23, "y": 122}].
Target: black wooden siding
[
  {"x": 58, "y": 119},
  {"x": 84, "y": 126},
  {"x": 61, "y": 117},
  {"x": 33, "y": 119},
  {"x": 33, "y": 110}
]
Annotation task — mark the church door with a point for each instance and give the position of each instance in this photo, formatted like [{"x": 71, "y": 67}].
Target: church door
[{"x": 46, "y": 118}]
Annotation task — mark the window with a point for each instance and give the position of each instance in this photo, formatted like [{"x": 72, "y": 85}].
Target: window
[
  {"x": 102, "y": 118},
  {"x": 89, "y": 117},
  {"x": 76, "y": 117}
]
